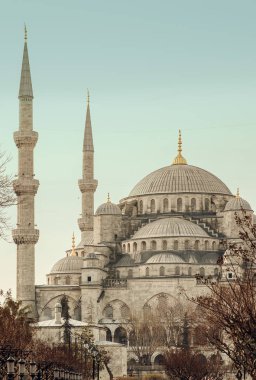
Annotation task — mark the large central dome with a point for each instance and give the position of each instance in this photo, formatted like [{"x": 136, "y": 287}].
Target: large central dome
[{"x": 180, "y": 179}]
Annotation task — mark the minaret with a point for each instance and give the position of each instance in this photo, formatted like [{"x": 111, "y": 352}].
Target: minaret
[
  {"x": 25, "y": 187},
  {"x": 87, "y": 184}
]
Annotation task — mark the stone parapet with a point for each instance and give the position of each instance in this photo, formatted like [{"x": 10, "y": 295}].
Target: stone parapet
[
  {"x": 25, "y": 236},
  {"x": 87, "y": 186},
  {"x": 25, "y": 186},
  {"x": 25, "y": 138}
]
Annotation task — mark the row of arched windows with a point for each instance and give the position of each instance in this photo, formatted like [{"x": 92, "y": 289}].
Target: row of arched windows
[
  {"x": 187, "y": 245},
  {"x": 180, "y": 204},
  {"x": 162, "y": 271},
  {"x": 59, "y": 281},
  {"x": 109, "y": 312}
]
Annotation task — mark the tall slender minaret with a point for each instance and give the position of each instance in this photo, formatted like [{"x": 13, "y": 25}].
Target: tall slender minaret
[
  {"x": 87, "y": 184},
  {"x": 25, "y": 187}
]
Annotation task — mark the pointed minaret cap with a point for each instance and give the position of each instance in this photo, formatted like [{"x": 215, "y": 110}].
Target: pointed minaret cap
[
  {"x": 108, "y": 199},
  {"x": 73, "y": 252},
  {"x": 179, "y": 159},
  {"x": 88, "y": 140},
  {"x": 26, "y": 90},
  {"x": 237, "y": 193}
]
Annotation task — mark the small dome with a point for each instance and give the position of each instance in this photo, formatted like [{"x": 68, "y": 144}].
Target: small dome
[
  {"x": 108, "y": 208},
  {"x": 68, "y": 264},
  {"x": 165, "y": 258},
  {"x": 170, "y": 227},
  {"x": 236, "y": 204},
  {"x": 175, "y": 179}
]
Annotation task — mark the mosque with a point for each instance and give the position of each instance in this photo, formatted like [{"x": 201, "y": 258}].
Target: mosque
[{"x": 167, "y": 233}]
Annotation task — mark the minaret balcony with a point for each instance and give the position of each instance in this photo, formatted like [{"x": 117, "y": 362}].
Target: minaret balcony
[
  {"x": 25, "y": 236},
  {"x": 25, "y": 138},
  {"x": 87, "y": 186},
  {"x": 25, "y": 186},
  {"x": 84, "y": 224}
]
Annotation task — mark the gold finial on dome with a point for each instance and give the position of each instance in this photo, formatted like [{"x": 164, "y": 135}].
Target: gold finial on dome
[
  {"x": 237, "y": 193},
  {"x": 179, "y": 159},
  {"x": 25, "y": 33},
  {"x": 73, "y": 252},
  {"x": 108, "y": 199}
]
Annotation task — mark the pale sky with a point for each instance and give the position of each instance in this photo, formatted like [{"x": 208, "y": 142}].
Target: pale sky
[{"x": 152, "y": 67}]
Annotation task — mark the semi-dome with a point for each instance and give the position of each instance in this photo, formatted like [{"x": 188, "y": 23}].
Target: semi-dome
[
  {"x": 108, "y": 208},
  {"x": 68, "y": 264},
  {"x": 170, "y": 227},
  {"x": 181, "y": 178},
  {"x": 236, "y": 204},
  {"x": 165, "y": 258}
]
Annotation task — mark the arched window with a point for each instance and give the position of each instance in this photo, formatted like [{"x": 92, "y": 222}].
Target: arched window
[
  {"x": 108, "y": 335},
  {"x": 67, "y": 280},
  {"x": 177, "y": 271},
  {"x": 120, "y": 336},
  {"x": 202, "y": 272},
  {"x": 162, "y": 271},
  {"x": 147, "y": 272},
  {"x": 125, "y": 312},
  {"x": 56, "y": 281},
  {"x": 190, "y": 271},
  {"x": 193, "y": 204},
  {"x": 206, "y": 245},
  {"x": 130, "y": 273},
  {"x": 124, "y": 248},
  {"x": 206, "y": 204},
  {"x": 143, "y": 246},
  {"x": 128, "y": 248},
  {"x": 82, "y": 253},
  {"x": 153, "y": 245},
  {"x": 197, "y": 242},
  {"x": 141, "y": 207},
  {"x": 153, "y": 205},
  {"x": 164, "y": 245},
  {"x": 108, "y": 311},
  {"x": 134, "y": 247},
  {"x": 216, "y": 272},
  {"x": 186, "y": 244},
  {"x": 213, "y": 245},
  {"x": 165, "y": 205},
  {"x": 179, "y": 204},
  {"x": 159, "y": 360},
  {"x": 176, "y": 245}
]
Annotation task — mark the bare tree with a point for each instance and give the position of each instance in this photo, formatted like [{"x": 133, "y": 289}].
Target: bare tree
[
  {"x": 7, "y": 197},
  {"x": 230, "y": 308},
  {"x": 185, "y": 364}
]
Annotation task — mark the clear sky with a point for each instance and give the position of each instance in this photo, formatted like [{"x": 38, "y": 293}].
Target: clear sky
[{"x": 152, "y": 67}]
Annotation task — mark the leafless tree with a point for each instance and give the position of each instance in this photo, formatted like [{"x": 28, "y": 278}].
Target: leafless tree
[
  {"x": 230, "y": 308},
  {"x": 7, "y": 196}
]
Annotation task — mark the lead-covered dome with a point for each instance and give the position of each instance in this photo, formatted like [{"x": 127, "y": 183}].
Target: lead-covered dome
[
  {"x": 165, "y": 258},
  {"x": 180, "y": 179},
  {"x": 108, "y": 208},
  {"x": 69, "y": 264},
  {"x": 170, "y": 227},
  {"x": 237, "y": 204}
]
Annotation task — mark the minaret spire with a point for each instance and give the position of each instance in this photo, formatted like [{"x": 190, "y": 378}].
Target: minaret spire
[
  {"x": 25, "y": 186},
  {"x": 87, "y": 184},
  {"x": 25, "y": 78}
]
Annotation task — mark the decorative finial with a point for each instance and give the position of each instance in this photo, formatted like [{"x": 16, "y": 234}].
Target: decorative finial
[
  {"x": 25, "y": 33},
  {"x": 73, "y": 252},
  {"x": 88, "y": 97},
  {"x": 108, "y": 200},
  {"x": 237, "y": 193},
  {"x": 179, "y": 159}
]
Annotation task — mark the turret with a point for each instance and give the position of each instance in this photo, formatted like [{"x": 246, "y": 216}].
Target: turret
[
  {"x": 25, "y": 186},
  {"x": 87, "y": 184}
]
